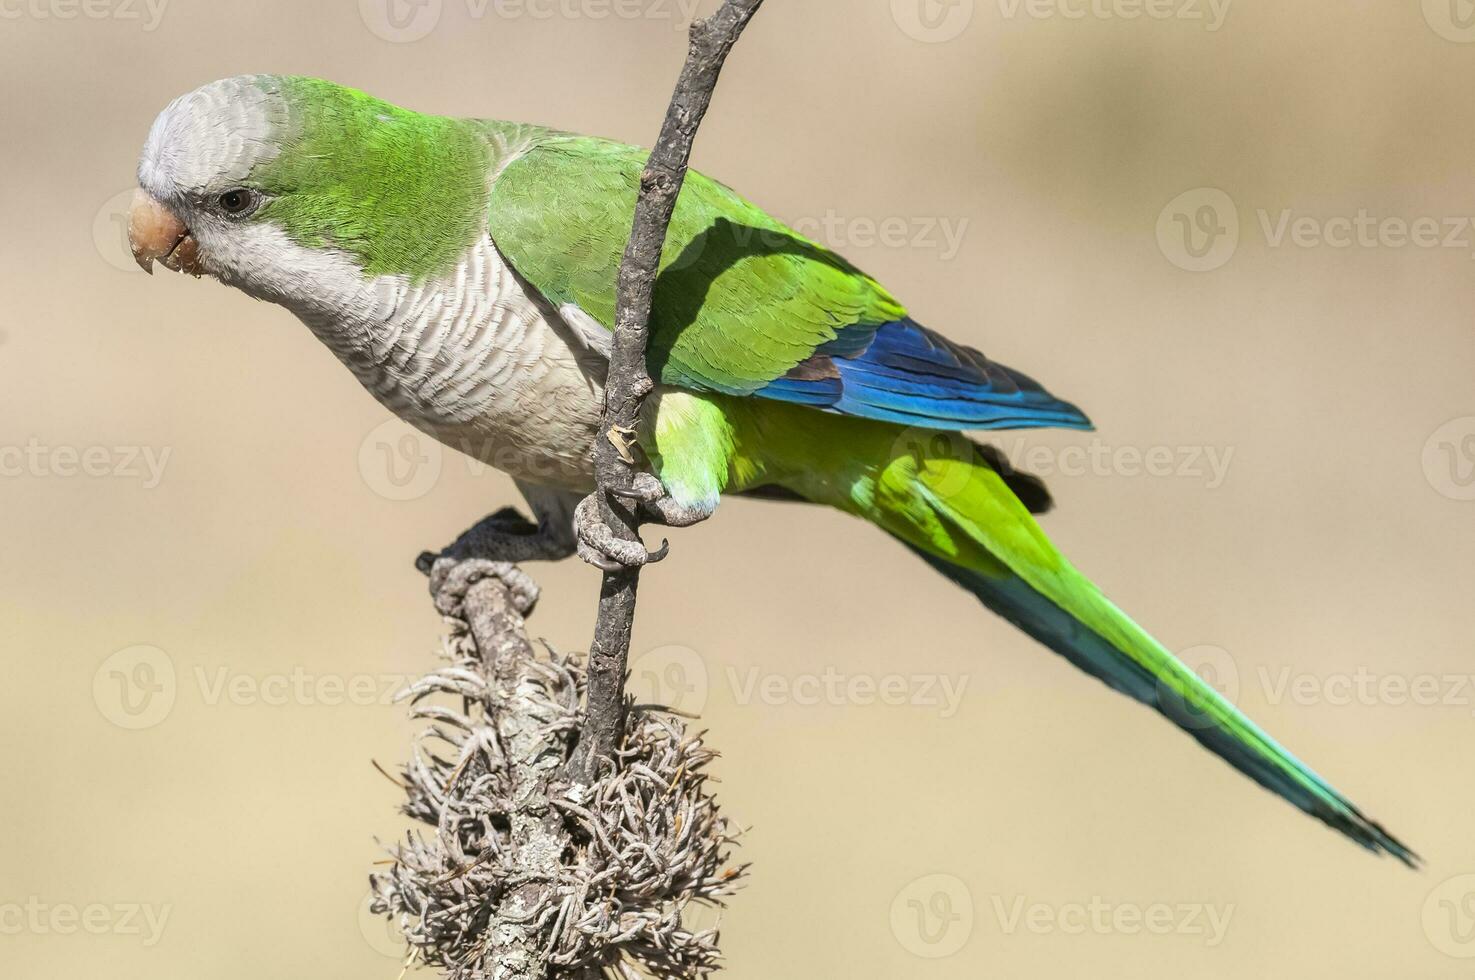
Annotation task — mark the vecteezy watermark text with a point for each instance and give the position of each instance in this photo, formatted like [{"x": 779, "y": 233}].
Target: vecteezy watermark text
[
  {"x": 1364, "y": 687},
  {"x": 95, "y": 918},
  {"x": 298, "y": 686},
  {"x": 1356, "y": 686},
  {"x": 1211, "y": 13},
  {"x": 678, "y": 677},
  {"x": 1102, "y": 917},
  {"x": 1207, "y": 464},
  {"x": 835, "y": 688},
  {"x": 403, "y": 21},
  {"x": 137, "y": 687},
  {"x": 938, "y": 21},
  {"x": 1200, "y": 230},
  {"x": 148, "y": 12},
  {"x": 939, "y": 234},
  {"x": 36, "y": 459},
  {"x": 1366, "y": 230},
  {"x": 934, "y": 916}
]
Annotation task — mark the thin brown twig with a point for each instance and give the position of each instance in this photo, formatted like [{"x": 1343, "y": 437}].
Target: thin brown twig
[{"x": 629, "y": 382}]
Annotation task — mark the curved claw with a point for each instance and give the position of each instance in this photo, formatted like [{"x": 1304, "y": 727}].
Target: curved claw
[
  {"x": 645, "y": 488},
  {"x": 605, "y": 563},
  {"x": 599, "y": 547},
  {"x": 623, "y": 494},
  {"x": 592, "y": 557}
]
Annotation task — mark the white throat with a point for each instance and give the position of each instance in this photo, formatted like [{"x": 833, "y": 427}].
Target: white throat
[{"x": 471, "y": 357}]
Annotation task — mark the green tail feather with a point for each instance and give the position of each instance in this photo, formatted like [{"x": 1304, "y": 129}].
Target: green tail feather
[{"x": 961, "y": 517}]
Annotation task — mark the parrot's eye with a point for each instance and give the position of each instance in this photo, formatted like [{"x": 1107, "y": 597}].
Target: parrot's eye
[{"x": 237, "y": 202}]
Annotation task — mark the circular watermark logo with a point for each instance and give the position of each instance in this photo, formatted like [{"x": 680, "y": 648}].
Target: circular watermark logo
[
  {"x": 1449, "y": 459},
  {"x": 1218, "y": 670},
  {"x": 379, "y": 931},
  {"x": 932, "y": 21},
  {"x": 135, "y": 687},
  {"x": 699, "y": 917},
  {"x": 1199, "y": 230},
  {"x": 400, "y": 21},
  {"x": 932, "y": 916},
  {"x": 1453, "y": 20},
  {"x": 110, "y": 232},
  {"x": 1449, "y": 917},
  {"x": 671, "y": 676},
  {"x": 946, "y": 460},
  {"x": 399, "y": 462}
]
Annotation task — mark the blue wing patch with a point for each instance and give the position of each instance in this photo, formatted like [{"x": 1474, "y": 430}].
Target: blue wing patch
[{"x": 902, "y": 372}]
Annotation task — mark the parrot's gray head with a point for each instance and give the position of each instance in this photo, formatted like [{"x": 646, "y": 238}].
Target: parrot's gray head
[
  {"x": 199, "y": 178},
  {"x": 278, "y": 184}
]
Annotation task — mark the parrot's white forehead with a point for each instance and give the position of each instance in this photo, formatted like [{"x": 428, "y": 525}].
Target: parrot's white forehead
[{"x": 213, "y": 137}]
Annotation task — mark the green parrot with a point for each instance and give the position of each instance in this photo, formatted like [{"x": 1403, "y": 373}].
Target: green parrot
[{"x": 464, "y": 270}]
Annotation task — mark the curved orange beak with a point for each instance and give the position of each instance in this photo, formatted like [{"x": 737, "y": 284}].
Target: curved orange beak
[{"x": 155, "y": 232}]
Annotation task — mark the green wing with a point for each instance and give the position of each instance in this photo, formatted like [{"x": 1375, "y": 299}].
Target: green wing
[
  {"x": 741, "y": 299},
  {"x": 743, "y": 304}
]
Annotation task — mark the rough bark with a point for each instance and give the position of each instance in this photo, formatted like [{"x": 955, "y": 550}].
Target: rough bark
[{"x": 516, "y": 874}]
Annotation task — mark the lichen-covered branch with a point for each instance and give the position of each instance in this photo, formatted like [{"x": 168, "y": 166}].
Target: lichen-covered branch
[
  {"x": 628, "y": 382},
  {"x": 523, "y": 875}
]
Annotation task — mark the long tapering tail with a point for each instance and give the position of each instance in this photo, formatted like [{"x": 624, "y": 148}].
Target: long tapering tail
[{"x": 957, "y": 511}]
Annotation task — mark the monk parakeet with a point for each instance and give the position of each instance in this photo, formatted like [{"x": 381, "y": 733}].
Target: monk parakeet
[{"x": 464, "y": 270}]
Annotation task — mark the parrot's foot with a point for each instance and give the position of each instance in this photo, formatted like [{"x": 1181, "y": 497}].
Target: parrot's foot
[
  {"x": 598, "y": 545},
  {"x": 451, "y": 578},
  {"x": 505, "y": 536},
  {"x": 659, "y": 507}
]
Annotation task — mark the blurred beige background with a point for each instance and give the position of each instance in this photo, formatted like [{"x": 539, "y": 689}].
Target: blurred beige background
[{"x": 197, "y": 634}]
